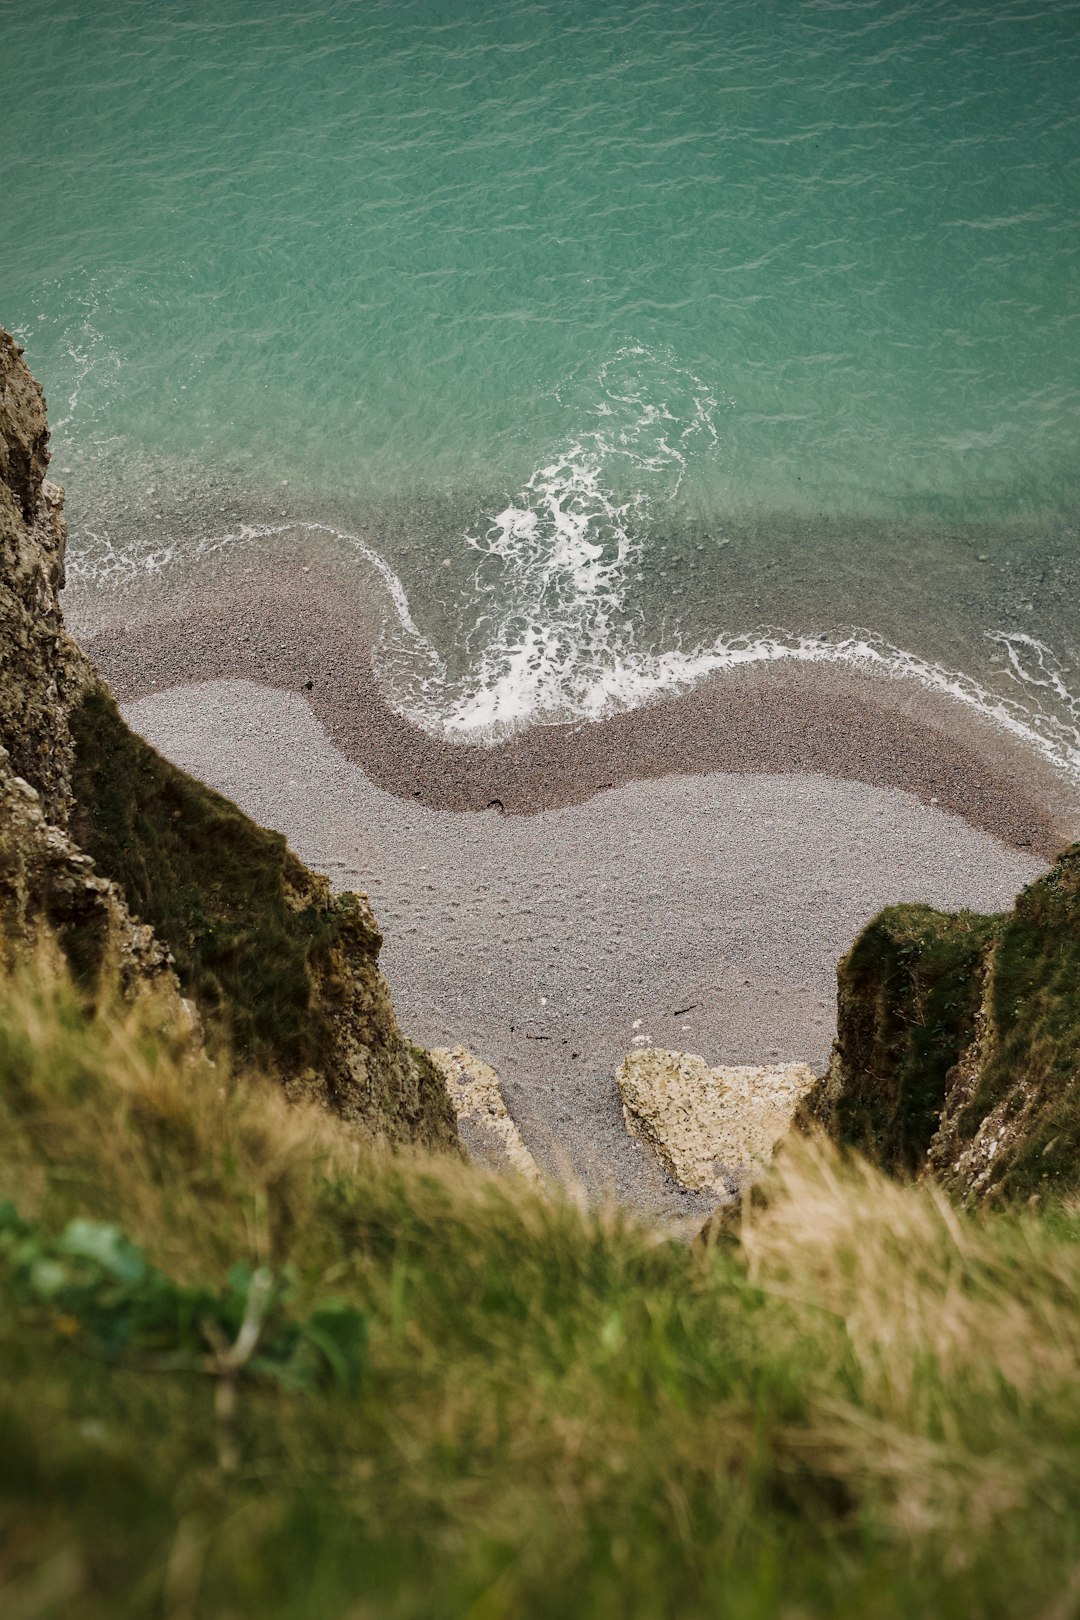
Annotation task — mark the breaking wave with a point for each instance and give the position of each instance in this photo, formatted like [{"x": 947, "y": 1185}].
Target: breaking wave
[
  {"x": 554, "y": 565},
  {"x": 1040, "y": 709},
  {"x": 550, "y": 634}
]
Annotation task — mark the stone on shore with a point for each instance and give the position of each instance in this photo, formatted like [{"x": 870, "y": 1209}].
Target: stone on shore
[
  {"x": 484, "y": 1123},
  {"x": 711, "y": 1128}
]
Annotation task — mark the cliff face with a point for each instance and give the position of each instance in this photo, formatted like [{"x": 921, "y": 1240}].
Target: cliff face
[
  {"x": 133, "y": 868},
  {"x": 50, "y": 894},
  {"x": 41, "y": 670},
  {"x": 958, "y": 1046}
]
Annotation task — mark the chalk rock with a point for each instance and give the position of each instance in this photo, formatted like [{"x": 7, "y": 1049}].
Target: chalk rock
[
  {"x": 710, "y": 1127},
  {"x": 484, "y": 1122}
]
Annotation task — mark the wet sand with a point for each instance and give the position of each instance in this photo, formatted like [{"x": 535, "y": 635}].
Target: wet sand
[{"x": 296, "y": 629}]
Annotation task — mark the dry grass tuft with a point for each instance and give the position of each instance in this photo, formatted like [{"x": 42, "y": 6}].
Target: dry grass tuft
[
  {"x": 955, "y": 1334},
  {"x": 865, "y": 1408}
]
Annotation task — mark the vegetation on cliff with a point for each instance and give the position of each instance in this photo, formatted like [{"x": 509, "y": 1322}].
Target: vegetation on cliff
[
  {"x": 958, "y": 1044},
  {"x": 130, "y": 868},
  {"x": 258, "y": 941},
  {"x": 251, "y": 1367},
  {"x": 253, "y": 1364}
]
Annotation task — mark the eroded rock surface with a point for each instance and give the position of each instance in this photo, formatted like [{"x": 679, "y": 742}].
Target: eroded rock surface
[
  {"x": 710, "y": 1127},
  {"x": 484, "y": 1122},
  {"x": 42, "y": 672},
  {"x": 958, "y": 1044}
]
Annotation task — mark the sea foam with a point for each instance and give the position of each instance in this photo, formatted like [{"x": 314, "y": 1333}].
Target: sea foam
[
  {"x": 545, "y": 679},
  {"x": 552, "y": 636}
]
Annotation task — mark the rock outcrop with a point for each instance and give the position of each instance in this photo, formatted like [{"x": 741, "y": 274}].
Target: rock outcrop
[
  {"x": 133, "y": 869},
  {"x": 711, "y": 1128},
  {"x": 487, "y": 1129},
  {"x": 41, "y": 670},
  {"x": 53, "y": 902},
  {"x": 958, "y": 1045}
]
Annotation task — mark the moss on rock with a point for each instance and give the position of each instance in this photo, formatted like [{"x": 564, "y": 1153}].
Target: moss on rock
[
  {"x": 958, "y": 1044},
  {"x": 133, "y": 869},
  {"x": 240, "y": 914},
  {"x": 907, "y": 992},
  {"x": 284, "y": 972}
]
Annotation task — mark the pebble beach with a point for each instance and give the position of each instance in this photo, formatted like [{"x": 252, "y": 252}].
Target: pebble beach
[{"x": 685, "y": 875}]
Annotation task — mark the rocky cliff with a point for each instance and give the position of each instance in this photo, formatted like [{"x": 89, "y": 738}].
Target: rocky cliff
[
  {"x": 958, "y": 1048},
  {"x": 958, "y": 1044},
  {"x": 132, "y": 869}
]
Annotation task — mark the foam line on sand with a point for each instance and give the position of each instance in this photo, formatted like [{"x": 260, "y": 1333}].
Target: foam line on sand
[{"x": 306, "y": 632}]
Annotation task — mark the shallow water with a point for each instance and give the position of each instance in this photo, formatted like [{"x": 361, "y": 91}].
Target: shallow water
[{"x": 628, "y": 339}]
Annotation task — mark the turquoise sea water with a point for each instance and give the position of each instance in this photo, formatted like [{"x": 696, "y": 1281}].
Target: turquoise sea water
[{"x": 616, "y": 340}]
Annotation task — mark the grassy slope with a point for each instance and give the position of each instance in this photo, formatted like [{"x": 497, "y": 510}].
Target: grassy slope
[
  {"x": 908, "y": 991},
  {"x": 1033, "y": 1052},
  {"x": 866, "y": 1409},
  {"x": 212, "y": 884}
]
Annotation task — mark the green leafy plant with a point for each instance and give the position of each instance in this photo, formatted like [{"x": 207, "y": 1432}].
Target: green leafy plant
[{"x": 101, "y": 1293}]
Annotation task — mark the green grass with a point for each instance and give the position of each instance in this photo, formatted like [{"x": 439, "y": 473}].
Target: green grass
[
  {"x": 865, "y": 1407},
  {"x": 283, "y": 972},
  {"x": 1033, "y": 1056},
  {"x": 908, "y": 992}
]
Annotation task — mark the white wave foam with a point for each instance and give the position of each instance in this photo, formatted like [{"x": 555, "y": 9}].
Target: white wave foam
[
  {"x": 100, "y": 562},
  {"x": 1046, "y": 717},
  {"x": 552, "y": 638},
  {"x": 555, "y": 563},
  {"x": 1052, "y": 731}
]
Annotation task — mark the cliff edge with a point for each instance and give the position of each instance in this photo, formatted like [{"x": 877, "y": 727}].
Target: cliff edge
[
  {"x": 132, "y": 869},
  {"x": 957, "y": 1054}
]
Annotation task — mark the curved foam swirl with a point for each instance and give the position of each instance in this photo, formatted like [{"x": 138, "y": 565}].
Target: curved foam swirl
[
  {"x": 1053, "y": 730},
  {"x": 550, "y": 635},
  {"x": 402, "y": 645},
  {"x": 555, "y": 563},
  {"x": 1040, "y": 710}
]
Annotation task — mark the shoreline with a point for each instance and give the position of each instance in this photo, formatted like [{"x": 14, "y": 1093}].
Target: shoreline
[
  {"x": 296, "y": 629},
  {"x": 687, "y": 872},
  {"x": 697, "y": 913}
]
